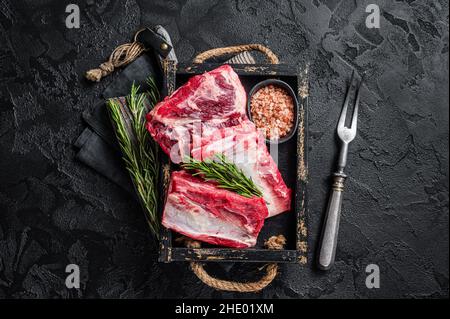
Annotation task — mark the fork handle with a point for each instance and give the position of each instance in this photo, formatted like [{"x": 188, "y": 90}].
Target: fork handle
[{"x": 328, "y": 243}]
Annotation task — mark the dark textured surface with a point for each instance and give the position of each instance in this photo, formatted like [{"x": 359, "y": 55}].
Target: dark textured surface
[{"x": 55, "y": 211}]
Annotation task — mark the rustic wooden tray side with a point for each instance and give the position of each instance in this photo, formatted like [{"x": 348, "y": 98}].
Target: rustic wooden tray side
[{"x": 295, "y": 252}]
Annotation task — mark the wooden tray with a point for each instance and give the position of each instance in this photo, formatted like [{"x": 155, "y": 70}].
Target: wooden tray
[{"x": 292, "y": 162}]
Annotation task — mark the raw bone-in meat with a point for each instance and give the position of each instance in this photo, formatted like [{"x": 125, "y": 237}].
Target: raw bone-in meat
[
  {"x": 202, "y": 211},
  {"x": 246, "y": 147},
  {"x": 206, "y": 102},
  {"x": 206, "y": 116}
]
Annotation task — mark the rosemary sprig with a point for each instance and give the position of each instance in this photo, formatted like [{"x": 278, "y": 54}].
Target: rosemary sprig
[
  {"x": 225, "y": 173},
  {"x": 139, "y": 151}
]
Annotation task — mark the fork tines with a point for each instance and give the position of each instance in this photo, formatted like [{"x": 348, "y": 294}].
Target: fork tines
[{"x": 343, "y": 116}]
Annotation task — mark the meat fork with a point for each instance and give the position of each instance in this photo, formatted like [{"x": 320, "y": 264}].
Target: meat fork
[{"x": 331, "y": 227}]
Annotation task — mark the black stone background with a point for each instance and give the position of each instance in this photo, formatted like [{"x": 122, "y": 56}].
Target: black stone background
[{"x": 55, "y": 211}]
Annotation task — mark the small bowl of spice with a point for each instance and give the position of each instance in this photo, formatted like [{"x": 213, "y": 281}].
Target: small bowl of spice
[{"x": 273, "y": 107}]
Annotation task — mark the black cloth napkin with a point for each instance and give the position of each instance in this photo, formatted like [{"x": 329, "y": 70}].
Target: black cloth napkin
[{"x": 97, "y": 144}]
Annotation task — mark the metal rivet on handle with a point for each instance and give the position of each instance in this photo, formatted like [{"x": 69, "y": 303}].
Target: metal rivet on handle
[{"x": 164, "y": 46}]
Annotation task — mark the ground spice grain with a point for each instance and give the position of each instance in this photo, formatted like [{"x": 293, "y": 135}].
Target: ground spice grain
[{"x": 272, "y": 110}]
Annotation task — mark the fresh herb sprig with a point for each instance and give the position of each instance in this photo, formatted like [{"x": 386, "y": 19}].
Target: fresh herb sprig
[
  {"x": 225, "y": 173},
  {"x": 139, "y": 151}
]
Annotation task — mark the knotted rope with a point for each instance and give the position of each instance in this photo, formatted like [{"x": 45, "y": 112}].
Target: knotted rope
[
  {"x": 274, "y": 242},
  {"x": 122, "y": 55},
  {"x": 202, "y": 57}
]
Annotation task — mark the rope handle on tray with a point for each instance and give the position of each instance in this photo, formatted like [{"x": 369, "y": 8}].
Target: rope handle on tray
[
  {"x": 274, "y": 242},
  {"x": 271, "y": 57}
]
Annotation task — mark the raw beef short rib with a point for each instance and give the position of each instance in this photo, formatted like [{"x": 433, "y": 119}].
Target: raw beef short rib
[
  {"x": 208, "y": 101},
  {"x": 246, "y": 148},
  {"x": 201, "y": 210}
]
